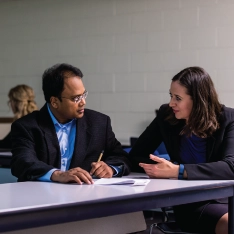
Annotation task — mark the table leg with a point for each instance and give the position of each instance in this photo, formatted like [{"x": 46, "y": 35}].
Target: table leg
[{"x": 231, "y": 215}]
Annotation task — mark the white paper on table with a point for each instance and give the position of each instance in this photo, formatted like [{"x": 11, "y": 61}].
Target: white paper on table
[
  {"x": 6, "y": 153},
  {"x": 121, "y": 181}
]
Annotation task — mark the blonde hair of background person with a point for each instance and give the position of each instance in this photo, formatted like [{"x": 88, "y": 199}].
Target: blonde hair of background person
[{"x": 21, "y": 100}]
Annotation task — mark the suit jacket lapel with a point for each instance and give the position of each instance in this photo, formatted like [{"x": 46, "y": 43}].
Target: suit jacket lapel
[
  {"x": 83, "y": 138},
  {"x": 209, "y": 147},
  {"x": 47, "y": 126},
  {"x": 175, "y": 141}
]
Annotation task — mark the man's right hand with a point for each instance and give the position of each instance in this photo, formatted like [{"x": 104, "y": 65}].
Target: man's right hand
[{"x": 74, "y": 175}]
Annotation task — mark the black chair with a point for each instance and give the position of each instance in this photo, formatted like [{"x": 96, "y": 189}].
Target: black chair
[
  {"x": 168, "y": 227},
  {"x": 133, "y": 141}
]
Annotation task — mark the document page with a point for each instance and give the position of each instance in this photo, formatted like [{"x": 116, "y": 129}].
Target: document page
[
  {"x": 6, "y": 153},
  {"x": 121, "y": 181}
]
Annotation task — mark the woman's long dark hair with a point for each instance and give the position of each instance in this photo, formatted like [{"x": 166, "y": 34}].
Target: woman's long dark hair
[{"x": 203, "y": 119}]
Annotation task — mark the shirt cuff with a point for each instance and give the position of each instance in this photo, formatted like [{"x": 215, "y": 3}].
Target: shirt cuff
[
  {"x": 47, "y": 176},
  {"x": 118, "y": 170}
]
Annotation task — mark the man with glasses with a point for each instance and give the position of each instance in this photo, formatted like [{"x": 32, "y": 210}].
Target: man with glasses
[{"x": 63, "y": 141}]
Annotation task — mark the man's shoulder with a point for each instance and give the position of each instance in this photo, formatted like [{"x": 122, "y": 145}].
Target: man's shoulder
[
  {"x": 95, "y": 118},
  {"x": 40, "y": 115},
  {"x": 29, "y": 117},
  {"x": 94, "y": 114}
]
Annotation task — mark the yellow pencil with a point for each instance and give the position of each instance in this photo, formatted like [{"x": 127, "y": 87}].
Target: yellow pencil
[{"x": 100, "y": 157}]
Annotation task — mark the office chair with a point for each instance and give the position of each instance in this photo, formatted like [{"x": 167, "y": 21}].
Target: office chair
[
  {"x": 6, "y": 176},
  {"x": 168, "y": 227}
]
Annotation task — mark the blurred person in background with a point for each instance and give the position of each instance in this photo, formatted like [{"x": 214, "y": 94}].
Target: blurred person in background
[{"x": 21, "y": 101}]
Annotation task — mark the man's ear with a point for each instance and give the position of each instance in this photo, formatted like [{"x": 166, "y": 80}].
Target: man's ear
[{"x": 54, "y": 102}]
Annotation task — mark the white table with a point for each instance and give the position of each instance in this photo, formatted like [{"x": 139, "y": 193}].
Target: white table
[{"x": 32, "y": 204}]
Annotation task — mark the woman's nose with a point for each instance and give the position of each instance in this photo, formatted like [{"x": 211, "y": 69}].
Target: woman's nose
[{"x": 171, "y": 103}]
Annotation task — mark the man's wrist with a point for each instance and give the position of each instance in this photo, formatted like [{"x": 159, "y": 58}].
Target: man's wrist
[{"x": 55, "y": 175}]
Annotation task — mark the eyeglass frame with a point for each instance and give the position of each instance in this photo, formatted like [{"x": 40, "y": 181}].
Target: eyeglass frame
[{"x": 78, "y": 98}]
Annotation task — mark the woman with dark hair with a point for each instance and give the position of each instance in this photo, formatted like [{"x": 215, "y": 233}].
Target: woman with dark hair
[{"x": 198, "y": 133}]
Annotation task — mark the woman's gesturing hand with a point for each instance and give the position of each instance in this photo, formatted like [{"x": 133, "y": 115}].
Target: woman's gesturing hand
[{"x": 163, "y": 169}]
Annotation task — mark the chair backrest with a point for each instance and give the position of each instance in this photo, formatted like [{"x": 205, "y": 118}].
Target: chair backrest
[
  {"x": 133, "y": 141},
  {"x": 6, "y": 176},
  {"x": 127, "y": 149},
  {"x": 162, "y": 148},
  {"x": 160, "y": 151}
]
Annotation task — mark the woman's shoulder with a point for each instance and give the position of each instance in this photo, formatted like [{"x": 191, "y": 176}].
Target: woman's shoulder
[
  {"x": 227, "y": 113},
  {"x": 164, "y": 108},
  {"x": 163, "y": 111},
  {"x": 227, "y": 110}
]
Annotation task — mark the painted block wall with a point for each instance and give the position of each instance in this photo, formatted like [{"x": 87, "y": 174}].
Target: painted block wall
[{"x": 128, "y": 50}]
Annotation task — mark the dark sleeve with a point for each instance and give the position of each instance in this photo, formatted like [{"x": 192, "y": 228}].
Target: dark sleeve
[
  {"x": 25, "y": 164},
  {"x": 223, "y": 168},
  {"x": 114, "y": 154},
  {"x": 147, "y": 143},
  {"x": 5, "y": 143}
]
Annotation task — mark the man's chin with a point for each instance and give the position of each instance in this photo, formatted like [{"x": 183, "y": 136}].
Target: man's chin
[{"x": 79, "y": 115}]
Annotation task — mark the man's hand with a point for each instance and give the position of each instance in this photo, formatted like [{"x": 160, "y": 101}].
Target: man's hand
[
  {"x": 163, "y": 169},
  {"x": 101, "y": 170},
  {"x": 77, "y": 175}
]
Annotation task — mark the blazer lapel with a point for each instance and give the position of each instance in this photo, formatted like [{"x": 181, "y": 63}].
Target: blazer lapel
[
  {"x": 83, "y": 138},
  {"x": 209, "y": 147},
  {"x": 47, "y": 126},
  {"x": 175, "y": 141}
]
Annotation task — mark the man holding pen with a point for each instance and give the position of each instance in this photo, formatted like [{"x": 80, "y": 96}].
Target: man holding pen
[{"x": 64, "y": 142}]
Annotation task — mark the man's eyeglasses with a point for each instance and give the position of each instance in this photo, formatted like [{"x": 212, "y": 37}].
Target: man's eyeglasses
[{"x": 78, "y": 98}]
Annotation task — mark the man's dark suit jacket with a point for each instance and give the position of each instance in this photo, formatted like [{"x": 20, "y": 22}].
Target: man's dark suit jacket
[
  {"x": 5, "y": 143},
  {"x": 219, "y": 152},
  {"x": 35, "y": 146}
]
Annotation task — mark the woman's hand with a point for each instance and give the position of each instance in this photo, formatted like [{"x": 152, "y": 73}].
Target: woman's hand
[{"x": 163, "y": 169}]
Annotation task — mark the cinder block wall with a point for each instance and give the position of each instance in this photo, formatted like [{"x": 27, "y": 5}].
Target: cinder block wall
[{"x": 128, "y": 50}]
